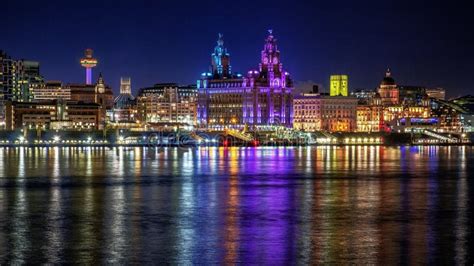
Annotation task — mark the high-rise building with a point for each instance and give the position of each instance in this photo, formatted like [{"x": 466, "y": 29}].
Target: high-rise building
[
  {"x": 339, "y": 85},
  {"x": 261, "y": 99},
  {"x": 28, "y": 79},
  {"x": 7, "y": 81},
  {"x": 18, "y": 78}
]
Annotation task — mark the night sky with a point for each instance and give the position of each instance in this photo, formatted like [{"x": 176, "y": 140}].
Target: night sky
[{"x": 427, "y": 44}]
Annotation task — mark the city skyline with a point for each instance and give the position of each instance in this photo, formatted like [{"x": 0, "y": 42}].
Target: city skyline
[{"x": 182, "y": 56}]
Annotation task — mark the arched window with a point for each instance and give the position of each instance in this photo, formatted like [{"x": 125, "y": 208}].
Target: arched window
[{"x": 276, "y": 83}]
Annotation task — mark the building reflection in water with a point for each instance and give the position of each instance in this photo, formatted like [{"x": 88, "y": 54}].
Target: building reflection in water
[{"x": 352, "y": 204}]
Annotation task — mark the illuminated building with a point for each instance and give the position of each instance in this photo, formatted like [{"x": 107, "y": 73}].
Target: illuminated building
[
  {"x": 125, "y": 107},
  {"x": 414, "y": 94},
  {"x": 51, "y": 90},
  {"x": 28, "y": 79},
  {"x": 98, "y": 93},
  {"x": 315, "y": 112},
  {"x": 339, "y": 113},
  {"x": 7, "y": 81},
  {"x": 436, "y": 93},
  {"x": 370, "y": 116},
  {"x": 88, "y": 62},
  {"x": 388, "y": 90},
  {"x": 18, "y": 78},
  {"x": 167, "y": 103},
  {"x": 52, "y": 115},
  {"x": 404, "y": 117},
  {"x": 339, "y": 85},
  {"x": 363, "y": 95},
  {"x": 261, "y": 99},
  {"x": 456, "y": 115},
  {"x": 307, "y": 112}
]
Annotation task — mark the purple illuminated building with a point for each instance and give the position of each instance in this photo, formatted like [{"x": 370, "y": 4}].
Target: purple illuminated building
[{"x": 261, "y": 99}]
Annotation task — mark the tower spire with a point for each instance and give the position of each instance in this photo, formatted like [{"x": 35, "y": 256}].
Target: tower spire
[{"x": 220, "y": 59}]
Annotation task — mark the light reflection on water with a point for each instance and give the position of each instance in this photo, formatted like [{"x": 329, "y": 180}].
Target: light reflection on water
[{"x": 367, "y": 204}]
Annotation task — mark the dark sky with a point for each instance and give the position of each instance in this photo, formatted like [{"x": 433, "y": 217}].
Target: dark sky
[{"x": 423, "y": 42}]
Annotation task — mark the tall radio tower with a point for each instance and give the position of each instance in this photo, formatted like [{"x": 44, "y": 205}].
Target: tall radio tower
[{"x": 88, "y": 62}]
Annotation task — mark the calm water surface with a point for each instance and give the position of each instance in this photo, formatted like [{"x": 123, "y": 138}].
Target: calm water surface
[{"x": 383, "y": 205}]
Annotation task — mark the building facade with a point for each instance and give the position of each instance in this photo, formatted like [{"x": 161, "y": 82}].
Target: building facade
[
  {"x": 98, "y": 93},
  {"x": 314, "y": 112},
  {"x": 52, "y": 115},
  {"x": 51, "y": 90},
  {"x": 370, "y": 116},
  {"x": 18, "y": 78},
  {"x": 261, "y": 99},
  {"x": 167, "y": 103}
]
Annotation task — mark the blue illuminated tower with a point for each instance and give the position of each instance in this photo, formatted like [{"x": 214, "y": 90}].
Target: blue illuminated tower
[{"x": 220, "y": 60}]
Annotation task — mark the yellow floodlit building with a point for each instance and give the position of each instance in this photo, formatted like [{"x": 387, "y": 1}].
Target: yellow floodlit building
[{"x": 339, "y": 85}]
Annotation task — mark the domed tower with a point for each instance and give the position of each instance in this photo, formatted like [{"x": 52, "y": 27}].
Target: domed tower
[{"x": 388, "y": 90}]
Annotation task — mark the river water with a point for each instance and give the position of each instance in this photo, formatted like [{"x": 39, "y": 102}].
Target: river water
[{"x": 366, "y": 204}]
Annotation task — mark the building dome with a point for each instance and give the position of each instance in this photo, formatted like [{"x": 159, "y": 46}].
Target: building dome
[{"x": 388, "y": 80}]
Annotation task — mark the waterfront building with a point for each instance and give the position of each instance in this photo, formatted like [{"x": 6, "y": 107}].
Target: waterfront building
[
  {"x": 456, "y": 115},
  {"x": 339, "y": 85},
  {"x": 52, "y": 115},
  {"x": 98, "y": 93},
  {"x": 167, "y": 103},
  {"x": 18, "y": 78},
  {"x": 315, "y": 112},
  {"x": 388, "y": 90},
  {"x": 51, "y": 90},
  {"x": 261, "y": 99},
  {"x": 307, "y": 112},
  {"x": 339, "y": 113},
  {"x": 125, "y": 105},
  {"x": 370, "y": 115},
  {"x": 405, "y": 117}
]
